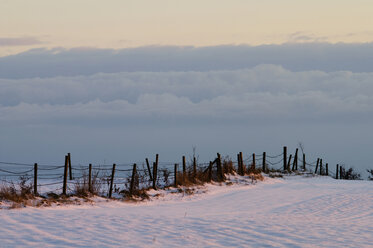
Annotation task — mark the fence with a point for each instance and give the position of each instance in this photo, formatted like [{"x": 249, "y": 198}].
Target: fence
[{"x": 104, "y": 179}]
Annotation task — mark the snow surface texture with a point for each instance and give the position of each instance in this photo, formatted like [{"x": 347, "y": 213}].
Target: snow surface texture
[{"x": 290, "y": 212}]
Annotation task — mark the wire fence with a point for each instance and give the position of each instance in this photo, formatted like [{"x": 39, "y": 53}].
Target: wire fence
[{"x": 69, "y": 177}]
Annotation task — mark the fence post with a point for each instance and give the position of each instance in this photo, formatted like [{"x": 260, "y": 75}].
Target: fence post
[
  {"x": 64, "y": 186},
  {"x": 194, "y": 169},
  {"x": 288, "y": 167},
  {"x": 35, "y": 179},
  {"x": 132, "y": 179},
  {"x": 336, "y": 171},
  {"x": 90, "y": 178},
  {"x": 150, "y": 173},
  {"x": 219, "y": 168},
  {"x": 285, "y": 157},
  {"x": 304, "y": 162},
  {"x": 242, "y": 167},
  {"x": 341, "y": 172},
  {"x": 239, "y": 164},
  {"x": 156, "y": 159},
  {"x": 184, "y": 169},
  {"x": 210, "y": 172},
  {"x": 175, "y": 172},
  {"x": 264, "y": 162},
  {"x": 295, "y": 162},
  {"x": 253, "y": 164},
  {"x": 317, "y": 165},
  {"x": 112, "y": 181},
  {"x": 154, "y": 175},
  {"x": 70, "y": 170},
  {"x": 320, "y": 167}
]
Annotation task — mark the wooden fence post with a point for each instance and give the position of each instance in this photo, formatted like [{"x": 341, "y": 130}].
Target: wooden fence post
[
  {"x": 210, "y": 172},
  {"x": 64, "y": 186},
  {"x": 320, "y": 167},
  {"x": 156, "y": 159},
  {"x": 253, "y": 164},
  {"x": 184, "y": 169},
  {"x": 35, "y": 179},
  {"x": 285, "y": 157},
  {"x": 219, "y": 168},
  {"x": 90, "y": 178},
  {"x": 304, "y": 162},
  {"x": 239, "y": 164},
  {"x": 327, "y": 169},
  {"x": 242, "y": 166},
  {"x": 112, "y": 181},
  {"x": 70, "y": 170},
  {"x": 264, "y": 163},
  {"x": 154, "y": 175},
  {"x": 295, "y": 162},
  {"x": 150, "y": 173},
  {"x": 288, "y": 167},
  {"x": 317, "y": 165},
  {"x": 175, "y": 172},
  {"x": 194, "y": 169},
  {"x": 336, "y": 171},
  {"x": 133, "y": 179},
  {"x": 341, "y": 172}
]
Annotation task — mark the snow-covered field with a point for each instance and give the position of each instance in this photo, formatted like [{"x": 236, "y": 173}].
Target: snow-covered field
[{"x": 290, "y": 212}]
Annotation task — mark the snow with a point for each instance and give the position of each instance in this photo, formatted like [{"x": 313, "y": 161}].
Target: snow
[{"x": 295, "y": 211}]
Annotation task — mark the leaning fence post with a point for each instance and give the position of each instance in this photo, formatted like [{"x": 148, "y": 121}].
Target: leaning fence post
[
  {"x": 70, "y": 170},
  {"x": 132, "y": 179},
  {"x": 35, "y": 179},
  {"x": 64, "y": 186},
  {"x": 295, "y": 162},
  {"x": 336, "y": 171},
  {"x": 317, "y": 165},
  {"x": 210, "y": 172},
  {"x": 288, "y": 167},
  {"x": 175, "y": 172},
  {"x": 90, "y": 178},
  {"x": 150, "y": 173},
  {"x": 154, "y": 175},
  {"x": 304, "y": 162},
  {"x": 285, "y": 157},
  {"x": 112, "y": 181},
  {"x": 264, "y": 162}
]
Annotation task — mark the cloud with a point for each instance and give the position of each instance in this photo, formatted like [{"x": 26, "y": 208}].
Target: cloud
[
  {"x": 304, "y": 37},
  {"x": 19, "y": 41},
  {"x": 80, "y": 61},
  {"x": 266, "y": 93}
]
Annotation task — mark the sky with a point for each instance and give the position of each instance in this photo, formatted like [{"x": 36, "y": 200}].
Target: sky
[{"x": 123, "y": 80}]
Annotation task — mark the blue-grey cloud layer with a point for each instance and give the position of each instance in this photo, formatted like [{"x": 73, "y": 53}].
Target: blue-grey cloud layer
[
  {"x": 85, "y": 61},
  {"x": 124, "y": 105}
]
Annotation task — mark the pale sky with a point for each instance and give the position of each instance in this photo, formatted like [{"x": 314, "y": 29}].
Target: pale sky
[{"x": 28, "y": 24}]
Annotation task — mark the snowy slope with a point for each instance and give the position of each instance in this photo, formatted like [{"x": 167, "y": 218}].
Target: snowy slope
[{"x": 291, "y": 212}]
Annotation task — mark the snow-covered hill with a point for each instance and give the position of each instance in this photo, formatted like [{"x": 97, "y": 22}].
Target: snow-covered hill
[{"x": 291, "y": 212}]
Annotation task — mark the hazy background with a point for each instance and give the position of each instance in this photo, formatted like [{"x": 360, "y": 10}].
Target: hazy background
[{"x": 121, "y": 81}]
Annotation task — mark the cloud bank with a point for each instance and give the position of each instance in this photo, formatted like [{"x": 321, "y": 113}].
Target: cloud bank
[
  {"x": 266, "y": 93},
  {"x": 88, "y": 61},
  {"x": 19, "y": 41}
]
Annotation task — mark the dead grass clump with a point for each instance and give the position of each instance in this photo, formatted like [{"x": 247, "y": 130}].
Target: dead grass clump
[
  {"x": 228, "y": 166},
  {"x": 18, "y": 193},
  {"x": 82, "y": 185}
]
